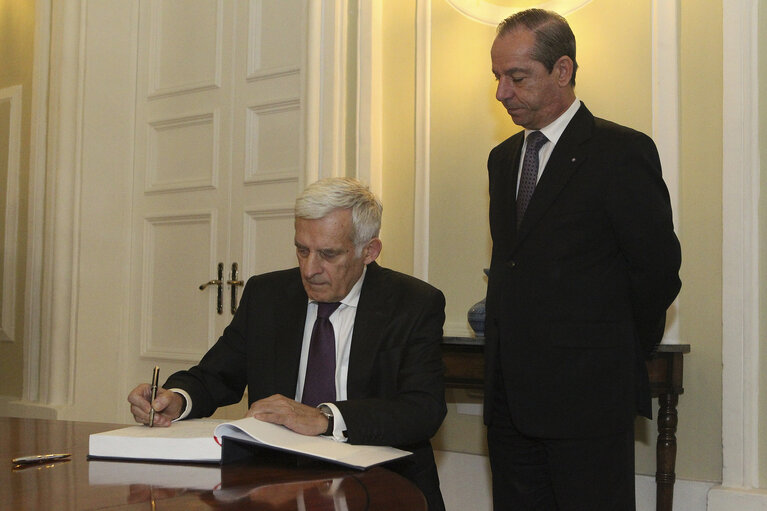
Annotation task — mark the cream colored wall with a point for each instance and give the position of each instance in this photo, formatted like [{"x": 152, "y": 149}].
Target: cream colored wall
[
  {"x": 614, "y": 80},
  {"x": 466, "y": 122},
  {"x": 17, "y": 21},
  {"x": 398, "y": 57},
  {"x": 700, "y": 408}
]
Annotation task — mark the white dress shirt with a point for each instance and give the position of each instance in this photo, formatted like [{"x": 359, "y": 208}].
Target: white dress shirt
[{"x": 553, "y": 132}]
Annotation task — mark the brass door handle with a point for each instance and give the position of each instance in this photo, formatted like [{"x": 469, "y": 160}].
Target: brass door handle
[
  {"x": 234, "y": 283},
  {"x": 219, "y": 283}
]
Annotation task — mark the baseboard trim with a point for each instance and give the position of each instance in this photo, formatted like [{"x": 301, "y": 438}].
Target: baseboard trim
[
  {"x": 688, "y": 495},
  {"x": 721, "y": 498},
  {"x": 14, "y": 407}
]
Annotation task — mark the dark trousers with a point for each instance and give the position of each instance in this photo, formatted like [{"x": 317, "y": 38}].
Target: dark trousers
[{"x": 571, "y": 474}]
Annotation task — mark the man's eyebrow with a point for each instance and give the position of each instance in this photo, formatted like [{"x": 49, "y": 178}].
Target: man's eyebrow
[
  {"x": 328, "y": 250},
  {"x": 332, "y": 251},
  {"x": 510, "y": 71},
  {"x": 513, "y": 70}
]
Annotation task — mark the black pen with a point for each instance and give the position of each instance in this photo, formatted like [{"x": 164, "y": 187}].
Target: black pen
[{"x": 155, "y": 377}]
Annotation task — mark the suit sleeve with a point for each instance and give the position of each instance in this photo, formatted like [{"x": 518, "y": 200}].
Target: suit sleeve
[
  {"x": 409, "y": 403},
  {"x": 639, "y": 208}
]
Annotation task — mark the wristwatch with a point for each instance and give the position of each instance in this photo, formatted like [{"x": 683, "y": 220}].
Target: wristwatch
[{"x": 328, "y": 413}]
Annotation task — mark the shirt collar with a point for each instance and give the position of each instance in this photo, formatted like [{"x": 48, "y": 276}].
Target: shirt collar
[{"x": 555, "y": 129}]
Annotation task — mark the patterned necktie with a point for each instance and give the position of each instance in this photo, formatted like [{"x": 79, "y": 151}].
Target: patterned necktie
[
  {"x": 529, "y": 178},
  {"x": 320, "y": 380}
]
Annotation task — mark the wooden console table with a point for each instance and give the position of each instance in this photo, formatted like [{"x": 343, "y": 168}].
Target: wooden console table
[{"x": 465, "y": 368}]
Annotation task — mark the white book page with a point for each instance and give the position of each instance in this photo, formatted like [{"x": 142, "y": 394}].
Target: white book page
[{"x": 362, "y": 456}]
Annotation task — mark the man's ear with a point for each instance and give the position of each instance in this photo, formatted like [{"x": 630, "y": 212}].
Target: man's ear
[
  {"x": 564, "y": 70},
  {"x": 372, "y": 250}
]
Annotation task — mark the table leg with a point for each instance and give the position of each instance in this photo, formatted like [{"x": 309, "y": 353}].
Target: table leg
[{"x": 666, "y": 451}]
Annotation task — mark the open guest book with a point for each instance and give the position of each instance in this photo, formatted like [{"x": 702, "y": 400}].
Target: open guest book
[{"x": 215, "y": 441}]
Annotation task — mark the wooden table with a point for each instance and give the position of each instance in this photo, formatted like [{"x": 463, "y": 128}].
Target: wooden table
[
  {"x": 465, "y": 368},
  {"x": 81, "y": 484}
]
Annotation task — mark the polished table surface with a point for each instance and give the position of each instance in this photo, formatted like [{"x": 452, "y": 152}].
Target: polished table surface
[{"x": 82, "y": 484}]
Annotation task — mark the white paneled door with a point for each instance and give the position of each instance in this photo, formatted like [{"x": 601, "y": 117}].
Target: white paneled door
[{"x": 217, "y": 165}]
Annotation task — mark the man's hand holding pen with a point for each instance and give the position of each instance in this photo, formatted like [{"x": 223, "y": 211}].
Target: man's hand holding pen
[{"x": 167, "y": 405}]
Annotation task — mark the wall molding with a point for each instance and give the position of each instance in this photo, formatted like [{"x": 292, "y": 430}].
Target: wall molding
[
  {"x": 325, "y": 90},
  {"x": 370, "y": 95},
  {"x": 61, "y": 227},
  {"x": 36, "y": 201},
  {"x": 12, "y": 96},
  {"x": 421, "y": 229},
  {"x": 740, "y": 253}
]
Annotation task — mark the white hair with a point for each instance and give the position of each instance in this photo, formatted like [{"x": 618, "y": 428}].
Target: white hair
[{"x": 322, "y": 197}]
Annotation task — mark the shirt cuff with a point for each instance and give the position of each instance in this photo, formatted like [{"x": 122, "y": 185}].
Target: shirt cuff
[
  {"x": 339, "y": 425},
  {"x": 187, "y": 400}
]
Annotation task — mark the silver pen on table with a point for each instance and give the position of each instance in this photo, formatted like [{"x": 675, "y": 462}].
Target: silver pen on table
[{"x": 155, "y": 377}]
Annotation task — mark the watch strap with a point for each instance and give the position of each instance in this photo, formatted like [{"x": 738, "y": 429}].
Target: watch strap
[{"x": 328, "y": 413}]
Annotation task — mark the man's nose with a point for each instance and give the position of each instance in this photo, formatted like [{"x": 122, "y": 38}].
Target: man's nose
[
  {"x": 504, "y": 90},
  {"x": 312, "y": 265}
]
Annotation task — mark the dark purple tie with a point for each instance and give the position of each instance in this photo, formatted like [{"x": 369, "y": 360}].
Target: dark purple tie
[
  {"x": 320, "y": 380},
  {"x": 529, "y": 177}
]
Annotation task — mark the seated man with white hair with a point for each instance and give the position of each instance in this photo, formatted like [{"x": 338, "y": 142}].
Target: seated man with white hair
[{"x": 338, "y": 346}]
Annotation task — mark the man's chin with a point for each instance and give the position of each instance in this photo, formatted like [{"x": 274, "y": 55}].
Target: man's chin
[
  {"x": 517, "y": 117},
  {"x": 318, "y": 293}
]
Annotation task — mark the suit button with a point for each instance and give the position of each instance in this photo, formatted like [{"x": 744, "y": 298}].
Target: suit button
[{"x": 511, "y": 264}]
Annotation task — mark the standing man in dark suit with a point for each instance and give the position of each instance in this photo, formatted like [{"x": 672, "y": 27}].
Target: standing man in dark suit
[
  {"x": 584, "y": 266},
  {"x": 383, "y": 381}
]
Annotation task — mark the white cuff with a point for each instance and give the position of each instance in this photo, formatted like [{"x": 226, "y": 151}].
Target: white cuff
[
  {"x": 188, "y": 408},
  {"x": 339, "y": 425}
]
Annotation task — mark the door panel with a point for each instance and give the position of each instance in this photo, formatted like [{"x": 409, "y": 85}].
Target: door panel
[
  {"x": 267, "y": 150},
  {"x": 217, "y": 164},
  {"x": 170, "y": 287}
]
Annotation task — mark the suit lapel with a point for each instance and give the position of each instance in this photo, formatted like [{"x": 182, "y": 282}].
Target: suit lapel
[
  {"x": 568, "y": 155},
  {"x": 374, "y": 311},
  {"x": 291, "y": 312},
  {"x": 513, "y": 163}
]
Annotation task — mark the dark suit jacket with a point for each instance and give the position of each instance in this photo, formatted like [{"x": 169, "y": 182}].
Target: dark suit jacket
[
  {"x": 395, "y": 382},
  {"x": 577, "y": 296}
]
